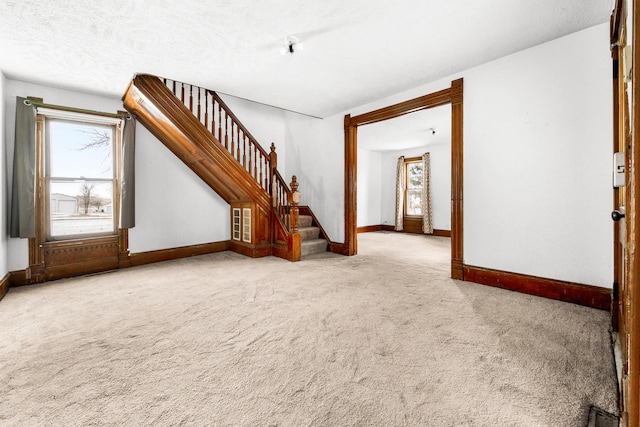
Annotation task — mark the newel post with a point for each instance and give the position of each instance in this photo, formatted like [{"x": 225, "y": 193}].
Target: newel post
[
  {"x": 273, "y": 164},
  {"x": 294, "y": 201}
]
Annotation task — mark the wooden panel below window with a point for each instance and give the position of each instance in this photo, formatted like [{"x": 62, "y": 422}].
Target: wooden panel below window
[
  {"x": 83, "y": 256},
  {"x": 412, "y": 224}
]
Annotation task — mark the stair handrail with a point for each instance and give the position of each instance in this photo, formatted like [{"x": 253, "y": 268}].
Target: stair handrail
[
  {"x": 205, "y": 105},
  {"x": 262, "y": 166}
]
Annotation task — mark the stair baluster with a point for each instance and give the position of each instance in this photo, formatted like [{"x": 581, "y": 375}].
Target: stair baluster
[
  {"x": 206, "y": 112},
  {"x": 244, "y": 151},
  {"x": 220, "y": 123},
  {"x": 238, "y": 144}
]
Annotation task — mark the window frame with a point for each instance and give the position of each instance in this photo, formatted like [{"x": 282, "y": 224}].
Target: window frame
[
  {"x": 51, "y": 260},
  {"x": 115, "y": 125},
  {"x": 407, "y": 162}
]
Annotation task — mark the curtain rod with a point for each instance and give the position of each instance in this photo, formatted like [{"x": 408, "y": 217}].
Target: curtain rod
[{"x": 125, "y": 116}]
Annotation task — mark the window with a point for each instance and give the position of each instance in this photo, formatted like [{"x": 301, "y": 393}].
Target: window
[
  {"x": 80, "y": 178},
  {"x": 236, "y": 223},
  {"x": 246, "y": 225},
  {"x": 413, "y": 190}
]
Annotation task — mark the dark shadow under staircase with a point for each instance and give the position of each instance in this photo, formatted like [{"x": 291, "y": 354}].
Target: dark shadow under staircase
[{"x": 200, "y": 129}]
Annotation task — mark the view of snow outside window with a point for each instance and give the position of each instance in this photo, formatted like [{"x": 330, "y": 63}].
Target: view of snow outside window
[
  {"x": 414, "y": 188},
  {"x": 80, "y": 175}
]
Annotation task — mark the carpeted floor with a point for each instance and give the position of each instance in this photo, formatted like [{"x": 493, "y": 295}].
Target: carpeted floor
[{"x": 384, "y": 338}]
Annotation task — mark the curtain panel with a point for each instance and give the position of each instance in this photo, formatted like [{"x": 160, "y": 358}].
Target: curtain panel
[
  {"x": 22, "y": 222},
  {"x": 127, "y": 175},
  {"x": 400, "y": 186},
  {"x": 427, "y": 215}
]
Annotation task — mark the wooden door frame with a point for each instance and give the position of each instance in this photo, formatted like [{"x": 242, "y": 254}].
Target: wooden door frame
[
  {"x": 633, "y": 233},
  {"x": 628, "y": 316},
  {"x": 452, "y": 95}
]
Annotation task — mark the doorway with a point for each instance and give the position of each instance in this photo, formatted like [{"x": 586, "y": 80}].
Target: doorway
[
  {"x": 380, "y": 145},
  {"x": 452, "y": 95}
]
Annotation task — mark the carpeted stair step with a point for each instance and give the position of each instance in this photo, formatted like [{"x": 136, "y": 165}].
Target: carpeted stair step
[
  {"x": 313, "y": 246},
  {"x": 305, "y": 221},
  {"x": 309, "y": 233}
]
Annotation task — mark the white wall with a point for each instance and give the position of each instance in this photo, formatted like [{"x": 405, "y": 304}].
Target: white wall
[
  {"x": 440, "y": 155},
  {"x": 538, "y": 131},
  {"x": 537, "y": 154},
  {"x": 315, "y": 154},
  {"x": 4, "y": 232},
  {"x": 173, "y": 207},
  {"x": 370, "y": 186}
]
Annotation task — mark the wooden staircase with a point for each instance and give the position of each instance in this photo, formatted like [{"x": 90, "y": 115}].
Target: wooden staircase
[
  {"x": 200, "y": 129},
  {"x": 311, "y": 240}
]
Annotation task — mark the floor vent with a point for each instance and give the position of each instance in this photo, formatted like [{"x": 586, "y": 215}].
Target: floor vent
[{"x": 600, "y": 418}]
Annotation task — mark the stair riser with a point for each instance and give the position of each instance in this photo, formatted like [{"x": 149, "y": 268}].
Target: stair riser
[
  {"x": 311, "y": 233},
  {"x": 314, "y": 247},
  {"x": 303, "y": 220}
]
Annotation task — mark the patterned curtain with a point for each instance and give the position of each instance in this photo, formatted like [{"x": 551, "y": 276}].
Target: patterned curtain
[
  {"x": 427, "y": 216},
  {"x": 400, "y": 184}
]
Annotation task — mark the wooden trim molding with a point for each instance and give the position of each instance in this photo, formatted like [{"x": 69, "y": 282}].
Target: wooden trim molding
[
  {"x": 142, "y": 258},
  {"x": 590, "y": 296},
  {"x": 453, "y": 96},
  {"x": 457, "y": 180},
  {"x": 386, "y": 227},
  {"x": 4, "y": 285},
  {"x": 442, "y": 233},
  {"x": 369, "y": 228},
  {"x": 21, "y": 277}
]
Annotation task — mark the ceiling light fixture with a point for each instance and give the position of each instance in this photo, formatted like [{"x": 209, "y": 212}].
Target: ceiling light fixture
[{"x": 291, "y": 45}]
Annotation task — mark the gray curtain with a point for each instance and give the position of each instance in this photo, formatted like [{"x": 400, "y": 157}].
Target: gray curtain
[
  {"x": 400, "y": 184},
  {"x": 22, "y": 219},
  {"x": 427, "y": 215},
  {"x": 127, "y": 175}
]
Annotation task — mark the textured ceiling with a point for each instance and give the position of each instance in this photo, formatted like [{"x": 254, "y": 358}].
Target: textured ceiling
[{"x": 355, "y": 51}]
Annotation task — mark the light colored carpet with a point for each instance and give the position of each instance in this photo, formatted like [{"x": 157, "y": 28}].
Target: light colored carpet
[{"x": 384, "y": 338}]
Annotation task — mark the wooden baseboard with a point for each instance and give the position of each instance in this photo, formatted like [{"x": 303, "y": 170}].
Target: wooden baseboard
[
  {"x": 385, "y": 227},
  {"x": 19, "y": 278},
  {"x": 4, "y": 285},
  {"x": 141, "y": 258},
  {"x": 369, "y": 228},
  {"x": 253, "y": 251},
  {"x": 590, "y": 296},
  {"x": 339, "y": 248}
]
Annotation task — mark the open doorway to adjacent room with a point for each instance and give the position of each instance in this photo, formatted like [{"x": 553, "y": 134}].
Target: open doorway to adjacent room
[
  {"x": 380, "y": 146},
  {"x": 452, "y": 96}
]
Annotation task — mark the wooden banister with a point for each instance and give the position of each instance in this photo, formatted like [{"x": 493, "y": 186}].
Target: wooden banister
[
  {"x": 207, "y": 106},
  {"x": 198, "y": 126}
]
